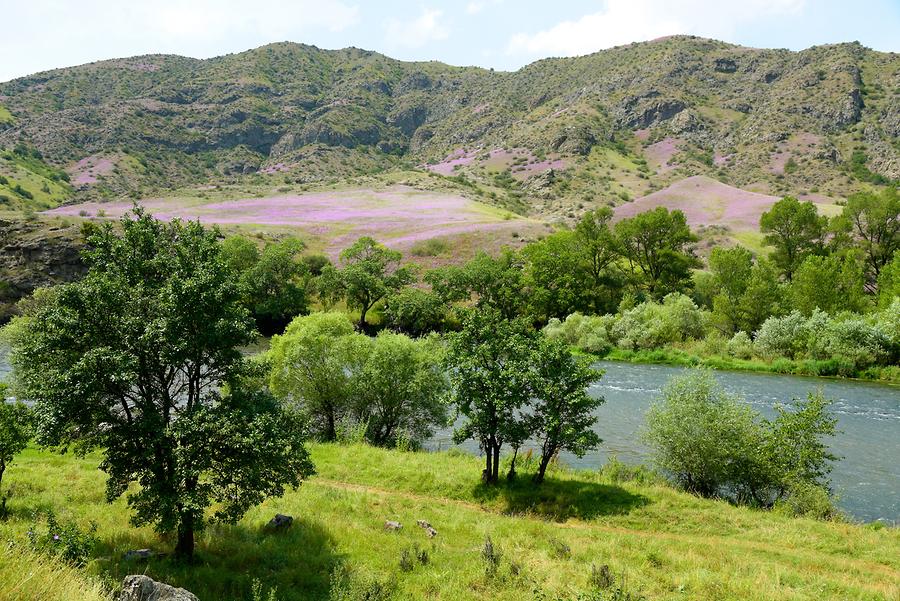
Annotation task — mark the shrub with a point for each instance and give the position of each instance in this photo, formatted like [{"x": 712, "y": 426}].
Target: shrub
[
  {"x": 64, "y": 540},
  {"x": 430, "y": 248},
  {"x": 782, "y": 336},
  {"x": 589, "y": 334},
  {"x": 740, "y": 346},
  {"x": 652, "y": 325},
  {"x": 414, "y": 312},
  {"x": 354, "y": 585}
]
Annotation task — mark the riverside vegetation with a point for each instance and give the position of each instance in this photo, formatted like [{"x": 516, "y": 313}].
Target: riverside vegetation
[{"x": 136, "y": 369}]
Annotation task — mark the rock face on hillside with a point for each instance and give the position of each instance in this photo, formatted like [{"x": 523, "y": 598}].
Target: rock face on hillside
[
  {"x": 33, "y": 255},
  {"x": 143, "y": 588},
  {"x": 323, "y": 113}
]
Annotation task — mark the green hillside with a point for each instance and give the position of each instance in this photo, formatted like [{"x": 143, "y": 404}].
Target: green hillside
[
  {"x": 560, "y": 134},
  {"x": 658, "y": 543}
]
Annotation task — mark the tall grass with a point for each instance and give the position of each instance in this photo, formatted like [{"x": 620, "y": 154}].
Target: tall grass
[
  {"x": 659, "y": 542},
  {"x": 27, "y": 576}
]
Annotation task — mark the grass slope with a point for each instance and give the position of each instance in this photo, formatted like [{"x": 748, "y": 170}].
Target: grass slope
[{"x": 666, "y": 544}]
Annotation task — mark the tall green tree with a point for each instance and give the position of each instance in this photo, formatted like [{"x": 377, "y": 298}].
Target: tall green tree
[
  {"x": 598, "y": 243},
  {"x": 872, "y": 220},
  {"x": 399, "y": 390},
  {"x": 15, "y": 432},
  {"x": 731, "y": 269},
  {"x": 140, "y": 361},
  {"x": 313, "y": 366},
  {"x": 370, "y": 272},
  {"x": 563, "y": 411},
  {"x": 656, "y": 245},
  {"x": 831, "y": 283},
  {"x": 492, "y": 282},
  {"x": 489, "y": 363},
  {"x": 276, "y": 286},
  {"x": 558, "y": 276},
  {"x": 796, "y": 230}
]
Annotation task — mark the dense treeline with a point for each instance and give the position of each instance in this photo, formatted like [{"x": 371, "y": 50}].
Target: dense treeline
[{"x": 827, "y": 285}]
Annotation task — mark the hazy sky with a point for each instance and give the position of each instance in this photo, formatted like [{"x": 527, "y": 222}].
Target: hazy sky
[{"x": 504, "y": 34}]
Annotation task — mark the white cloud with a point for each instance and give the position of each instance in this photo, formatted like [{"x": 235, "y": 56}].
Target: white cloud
[
  {"x": 473, "y": 8},
  {"x": 625, "y": 21},
  {"x": 417, "y": 32}
]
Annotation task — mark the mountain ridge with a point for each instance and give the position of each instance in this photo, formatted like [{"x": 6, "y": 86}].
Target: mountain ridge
[{"x": 552, "y": 138}]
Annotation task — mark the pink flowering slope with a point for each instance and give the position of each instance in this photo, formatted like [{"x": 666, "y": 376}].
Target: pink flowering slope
[
  {"x": 705, "y": 201},
  {"x": 398, "y": 216}
]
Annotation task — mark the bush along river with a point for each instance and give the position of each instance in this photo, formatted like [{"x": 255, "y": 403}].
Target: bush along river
[{"x": 866, "y": 478}]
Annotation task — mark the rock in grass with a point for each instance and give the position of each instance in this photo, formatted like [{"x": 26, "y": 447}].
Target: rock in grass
[
  {"x": 280, "y": 522},
  {"x": 144, "y": 588},
  {"x": 395, "y": 526},
  {"x": 431, "y": 532},
  {"x": 138, "y": 555}
]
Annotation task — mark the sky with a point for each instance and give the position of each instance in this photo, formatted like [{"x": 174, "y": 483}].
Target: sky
[{"x": 502, "y": 34}]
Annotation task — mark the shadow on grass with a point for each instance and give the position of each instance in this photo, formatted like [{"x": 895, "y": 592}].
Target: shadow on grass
[
  {"x": 298, "y": 562},
  {"x": 558, "y": 499}
]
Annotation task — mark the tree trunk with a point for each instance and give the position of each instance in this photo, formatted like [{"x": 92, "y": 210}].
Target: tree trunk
[
  {"x": 495, "y": 477},
  {"x": 184, "y": 548},
  {"x": 511, "y": 474},
  {"x": 488, "y": 466},
  {"x": 542, "y": 468}
]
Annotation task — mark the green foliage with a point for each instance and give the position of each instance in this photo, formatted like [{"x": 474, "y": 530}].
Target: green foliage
[
  {"x": 796, "y": 230},
  {"x": 497, "y": 283},
  {"x": 275, "y": 288},
  {"x": 889, "y": 282},
  {"x": 831, "y": 283},
  {"x": 430, "y": 248},
  {"x": 386, "y": 388},
  {"x": 652, "y": 325},
  {"x": 562, "y": 411},
  {"x": 15, "y": 432},
  {"x": 309, "y": 368},
  {"x": 871, "y": 221},
  {"x": 370, "y": 272},
  {"x": 713, "y": 444},
  {"x": 399, "y": 390},
  {"x": 131, "y": 359},
  {"x": 64, "y": 540},
  {"x": 587, "y": 333},
  {"x": 489, "y": 364},
  {"x": 656, "y": 245},
  {"x": 414, "y": 312}
]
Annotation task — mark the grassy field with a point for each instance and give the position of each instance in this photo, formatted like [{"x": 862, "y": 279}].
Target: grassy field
[{"x": 658, "y": 543}]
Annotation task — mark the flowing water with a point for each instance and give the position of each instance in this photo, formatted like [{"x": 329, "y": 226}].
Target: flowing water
[{"x": 866, "y": 479}]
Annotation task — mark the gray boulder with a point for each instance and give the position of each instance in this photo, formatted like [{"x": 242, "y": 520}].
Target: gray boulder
[
  {"x": 144, "y": 588},
  {"x": 280, "y": 522},
  {"x": 395, "y": 526},
  {"x": 431, "y": 532},
  {"x": 138, "y": 555}
]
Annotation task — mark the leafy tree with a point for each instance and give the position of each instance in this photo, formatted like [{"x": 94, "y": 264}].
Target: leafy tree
[
  {"x": 140, "y": 360},
  {"x": 873, "y": 221},
  {"x": 414, "y": 312},
  {"x": 275, "y": 287},
  {"x": 558, "y": 276},
  {"x": 15, "y": 432},
  {"x": 714, "y": 444},
  {"x": 240, "y": 253},
  {"x": 600, "y": 247},
  {"x": 495, "y": 282},
  {"x": 489, "y": 364},
  {"x": 313, "y": 365},
  {"x": 830, "y": 283},
  {"x": 697, "y": 429},
  {"x": 563, "y": 410},
  {"x": 329, "y": 287},
  {"x": 370, "y": 272},
  {"x": 731, "y": 269},
  {"x": 656, "y": 245},
  {"x": 399, "y": 390},
  {"x": 889, "y": 282},
  {"x": 762, "y": 298},
  {"x": 796, "y": 231}
]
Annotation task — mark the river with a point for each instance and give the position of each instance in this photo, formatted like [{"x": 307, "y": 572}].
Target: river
[{"x": 866, "y": 479}]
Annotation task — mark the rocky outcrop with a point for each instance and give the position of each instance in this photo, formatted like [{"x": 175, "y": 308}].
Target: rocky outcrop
[
  {"x": 33, "y": 255},
  {"x": 144, "y": 588}
]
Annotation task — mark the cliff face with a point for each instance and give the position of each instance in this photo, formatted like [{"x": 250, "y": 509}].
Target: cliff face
[{"x": 35, "y": 254}]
